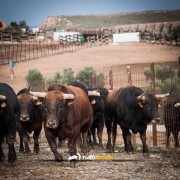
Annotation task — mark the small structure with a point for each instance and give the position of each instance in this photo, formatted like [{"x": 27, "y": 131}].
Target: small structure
[
  {"x": 70, "y": 36},
  {"x": 126, "y": 37}
]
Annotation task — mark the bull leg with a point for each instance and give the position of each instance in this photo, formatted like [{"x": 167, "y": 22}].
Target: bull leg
[
  {"x": 2, "y": 157},
  {"x": 94, "y": 136},
  {"x": 53, "y": 145},
  {"x": 21, "y": 147},
  {"x": 108, "y": 124},
  {"x": 176, "y": 141},
  {"x": 89, "y": 138},
  {"x": 36, "y": 142},
  {"x": 26, "y": 141},
  {"x": 84, "y": 148},
  {"x": 11, "y": 153},
  {"x": 167, "y": 138},
  {"x": 114, "y": 134},
  {"x": 143, "y": 139},
  {"x": 127, "y": 140},
  {"x": 72, "y": 150},
  {"x": 99, "y": 134}
]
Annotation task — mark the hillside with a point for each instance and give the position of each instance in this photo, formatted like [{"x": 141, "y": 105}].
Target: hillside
[{"x": 107, "y": 20}]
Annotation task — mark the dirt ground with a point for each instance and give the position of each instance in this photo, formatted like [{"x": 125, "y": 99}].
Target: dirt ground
[{"x": 160, "y": 164}]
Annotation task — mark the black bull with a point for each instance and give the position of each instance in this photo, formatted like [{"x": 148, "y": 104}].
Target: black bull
[
  {"x": 69, "y": 114},
  {"x": 172, "y": 121},
  {"x": 31, "y": 120},
  {"x": 132, "y": 109},
  {"x": 9, "y": 112}
]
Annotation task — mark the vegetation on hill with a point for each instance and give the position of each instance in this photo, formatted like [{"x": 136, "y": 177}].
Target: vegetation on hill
[{"x": 107, "y": 20}]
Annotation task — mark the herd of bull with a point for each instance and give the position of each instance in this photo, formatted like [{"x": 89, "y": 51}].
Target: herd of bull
[{"x": 75, "y": 112}]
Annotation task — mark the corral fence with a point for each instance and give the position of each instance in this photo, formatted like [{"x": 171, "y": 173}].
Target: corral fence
[{"x": 27, "y": 50}]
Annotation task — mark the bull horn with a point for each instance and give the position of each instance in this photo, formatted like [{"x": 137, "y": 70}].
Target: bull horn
[
  {"x": 2, "y": 97},
  {"x": 35, "y": 98},
  {"x": 38, "y": 94},
  {"x": 68, "y": 96},
  {"x": 141, "y": 97},
  {"x": 110, "y": 90},
  {"x": 177, "y": 105},
  {"x": 161, "y": 96},
  {"x": 93, "y": 93}
]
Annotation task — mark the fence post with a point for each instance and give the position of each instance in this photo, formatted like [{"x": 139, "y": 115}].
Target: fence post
[
  {"x": 111, "y": 79},
  {"x": 153, "y": 88},
  {"x": 130, "y": 84},
  {"x": 179, "y": 67}
]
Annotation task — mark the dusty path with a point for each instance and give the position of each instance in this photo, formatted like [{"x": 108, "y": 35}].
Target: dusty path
[{"x": 100, "y": 58}]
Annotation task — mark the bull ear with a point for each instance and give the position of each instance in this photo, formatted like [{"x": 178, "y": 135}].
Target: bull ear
[
  {"x": 93, "y": 101},
  {"x": 141, "y": 97},
  {"x": 177, "y": 105},
  {"x": 140, "y": 103},
  {"x": 3, "y": 104},
  {"x": 38, "y": 102},
  {"x": 159, "y": 103}
]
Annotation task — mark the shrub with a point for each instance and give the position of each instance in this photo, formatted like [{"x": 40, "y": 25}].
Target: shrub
[
  {"x": 35, "y": 80},
  {"x": 68, "y": 76},
  {"x": 86, "y": 76},
  {"x": 166, "y": 80}
]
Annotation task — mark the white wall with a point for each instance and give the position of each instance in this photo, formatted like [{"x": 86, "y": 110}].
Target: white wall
[{"x": 126, "y": 37}]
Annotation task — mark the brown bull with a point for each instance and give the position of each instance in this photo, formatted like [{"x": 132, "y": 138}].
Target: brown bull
[{"x": 69, "y": 114}]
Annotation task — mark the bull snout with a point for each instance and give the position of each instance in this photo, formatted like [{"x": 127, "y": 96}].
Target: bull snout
[
  {"x": 24, "y": 117},
  {"x": 51, "y": 124}
]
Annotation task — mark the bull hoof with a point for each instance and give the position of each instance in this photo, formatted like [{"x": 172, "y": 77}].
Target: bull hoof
[
  {"x": 73, "y": 163},
  {"x": 101, "y": 146},
  {"x": 131, "y": 152},
  {"x": 11, "y": 158},
  {"x": 2, "y": 158},
  {"x": 36, "y": 151},
  {"x": 85, "y": 150},
  {"x": 59, "y": 158},
  {"x": 28, "y": 153},
  {"x": 146, "y": 154},
  {"x": 21, "y": 150}
]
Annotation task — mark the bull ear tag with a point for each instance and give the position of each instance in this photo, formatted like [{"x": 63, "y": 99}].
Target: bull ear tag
[
  {"x": 140, "y": 104},
  {"x": 3, "y": 104},
  {"x": 93, "y": 101},
  {"x": 159, "y": 104},
  {"x": 38, "y": 103}
]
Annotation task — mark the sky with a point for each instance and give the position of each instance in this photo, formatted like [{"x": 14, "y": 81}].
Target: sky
[{"x": 34, "y": 12}]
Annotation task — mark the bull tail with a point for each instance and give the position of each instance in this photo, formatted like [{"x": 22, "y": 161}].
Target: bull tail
[{"x": 114, "y": 133}]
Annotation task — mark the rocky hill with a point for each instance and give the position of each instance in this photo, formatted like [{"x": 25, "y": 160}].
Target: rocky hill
[{"x": 108, "y": 20}]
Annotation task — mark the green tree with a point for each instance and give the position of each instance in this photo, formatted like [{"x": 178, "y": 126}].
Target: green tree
[
  {"x": 15, "y": 25},
  {"x": 23, "y": 25}
]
